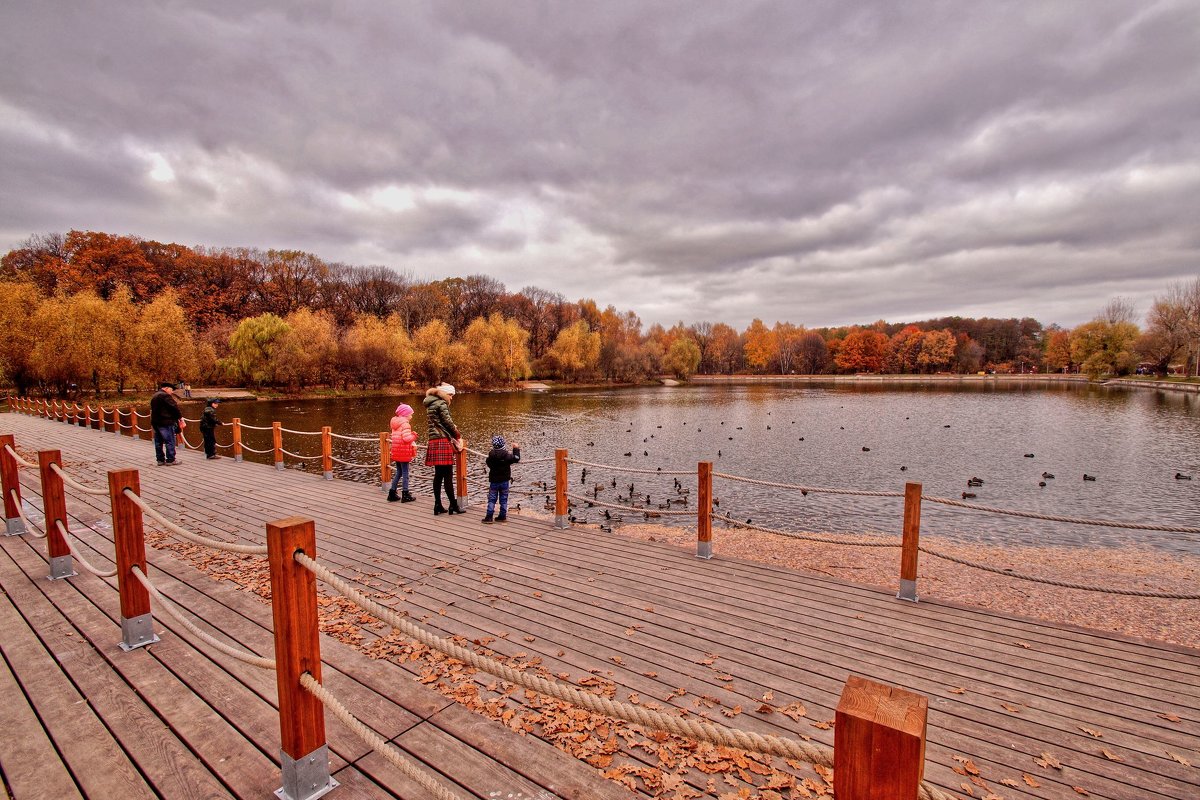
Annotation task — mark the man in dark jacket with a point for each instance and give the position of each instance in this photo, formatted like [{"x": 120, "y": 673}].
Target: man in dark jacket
[
  {"x": 165, "y": 419},
  {"x": 208, "y": 427},
  {"x": 499, "y": 463}
]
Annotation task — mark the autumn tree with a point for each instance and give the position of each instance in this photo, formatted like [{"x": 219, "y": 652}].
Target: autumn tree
[
  {"x": 576, "y": 351},
  {"x": 252, "y": 349},
  {"x": 862, "y": 351},
  {"x": 307, "y": 352},
  {"x": 40, "y": 261},
  {"x": 904, "y": 349},
  {"x": 19, "y": 302},
  {"x": 438, "y": 357},
  {"x": 937, "y": 350},
  {"x": 163, "y": 345},
  {"x": 1103, "y": 347},
  {"x": 759, "y": 346},
  {"x": 499, "y": 350},
  {"x": 1168, "y": 329},
  {"x": 812, "y": 355},
  {"x": 682, "y": 357},
  {"x": 102, "y": 262},
  {"x": 368, "y": 355},
  {"x": 726, "y": 348}
]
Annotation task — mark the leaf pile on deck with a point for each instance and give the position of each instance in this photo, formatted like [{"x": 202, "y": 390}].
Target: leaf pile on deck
[{"x": 650, "y": 762}]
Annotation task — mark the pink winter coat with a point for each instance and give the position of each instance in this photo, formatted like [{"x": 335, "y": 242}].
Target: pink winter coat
[{"x": 402, "y": 440}]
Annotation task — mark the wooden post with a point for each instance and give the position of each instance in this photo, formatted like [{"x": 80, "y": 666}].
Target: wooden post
[
  {"x": 879, "y": 742},
  {"x": 327, "y": 452},
  {"x": 277, "y": 441},
  {"x": 10, "y": 482},
  {"x": 704, "y": 509},
  {"x": 385, "y": 463},
  {"x": 129, "y": 541},
  {"x": 912, "y": 540},
  {"x": 460, "y": 476},
  {"x": 304, "y": 754},
  {"x": 237, "y": 439},
  {"x": 54, "y": 504},
  {"x": 561, "y": 514},
  {"x": 87, "y": 421}
]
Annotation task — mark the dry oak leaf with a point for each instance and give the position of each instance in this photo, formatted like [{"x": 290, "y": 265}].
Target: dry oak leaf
[
  {"x": 632, "y": 629},
  {"x": 1178, "y": 758},
  {"x": 1110, "y": 756},
  {"x": 968, "y": 765},
  {"x": 1169, "y": 717},
  {"x": 1010, "y": 708},
  {"x": 765, "y": 709},
  {"x": 1081, "y": 791},
  {"x": 967, "y": 790},
  {"x": 1010, "y": 782},
  {"x": 1029, "y": 779},
  {"x": 1048, "y": 761},
  {"x": 823, "y": 725},
  {"x": 794, "y": 711},
  {"x": 1092, "y": 733},
  {"x": 1022, "y": 644},
  {"x": 731, "y": 712},
  {"x": 958, "y": 690}
]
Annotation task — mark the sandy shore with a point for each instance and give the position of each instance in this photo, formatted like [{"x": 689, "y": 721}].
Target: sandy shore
[{"x": 1168, "y": 620}]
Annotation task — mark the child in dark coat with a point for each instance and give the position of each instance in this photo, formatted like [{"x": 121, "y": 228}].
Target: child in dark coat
[
  {"x": 208, "y": 427},
  {"x": 499, "y": 463}
]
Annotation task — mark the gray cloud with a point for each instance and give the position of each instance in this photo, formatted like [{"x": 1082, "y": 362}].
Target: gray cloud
[{"x": 822, "y": 163}]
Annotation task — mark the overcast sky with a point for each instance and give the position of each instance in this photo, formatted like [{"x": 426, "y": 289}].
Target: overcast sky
[{"x": 822, "y": 163}]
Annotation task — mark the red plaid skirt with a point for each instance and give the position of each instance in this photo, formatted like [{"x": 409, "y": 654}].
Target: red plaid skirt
[{"x": 439, "y": 453}]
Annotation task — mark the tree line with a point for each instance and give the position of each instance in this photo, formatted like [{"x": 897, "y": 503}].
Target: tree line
[{"x": 110, "y": 312}]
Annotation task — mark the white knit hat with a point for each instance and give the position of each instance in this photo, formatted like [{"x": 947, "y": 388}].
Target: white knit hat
[{"x": 446, "y": 388}]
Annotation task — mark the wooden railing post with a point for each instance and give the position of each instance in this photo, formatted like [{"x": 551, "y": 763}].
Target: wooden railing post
[
  {"x": 129, "y": 541},
  {"x": 879, "y": 742},
  {"x": 327, "y": 452},
  {"x": 704, "y": 509},
  {"x": 87, "y": 421},
  {"x": 304, "y": 755},
  {"x": 385, "y": 459},
  {"x": 10, "y": 482},
  {"x": 237, "y": 439},
  {"x": 912, "y": 540},
  {"x": 54, "y": 504},
  {"x": 561, "y": 514},
  {"x": 460, "y": 476},
  {"x": 277, "y": 443}
]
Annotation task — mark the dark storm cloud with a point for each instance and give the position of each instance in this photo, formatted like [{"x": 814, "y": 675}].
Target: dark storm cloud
[{"x": 822, "y": 163}]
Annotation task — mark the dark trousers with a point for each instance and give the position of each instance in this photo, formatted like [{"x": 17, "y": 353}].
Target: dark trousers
[
  {"x": 443, "y": 474},
  {"x": 210, "y": 441},
  {"x": 164, "y": 443},
  {"x": 498, "y": 492}
]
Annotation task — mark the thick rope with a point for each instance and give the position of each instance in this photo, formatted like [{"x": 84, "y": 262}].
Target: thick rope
[
  {"x": 174, "y": 612},
  {"x": 547, "y": 460},
  {"x": 631, "y": 509},
  {"x": 144, "y": 430},
  {"x": 74, "y": 484},
  {"x": 248, "y": 549},
  {"x": 376, "y": 742},
  {"x": 810, "y": 537},
  {"x": 631, "y": 469},
  {"x": 189, "y": 419},
  {"x": 252, "y": 450},
  {"x": 254, "y": 427},
  {"x": 302, "y": 433},
  {"x": 1134, "y": 526},
  {"x": 186, "y": 443},
  {"x": 287, "y": 452},
  {"x": 352, "y": 464},
  {"x": 29, "y": 526},
  {"x": 137, "y": 413},
  {"x": 17, "y": 457},
  {"x": 689, "y": 728},
  {"x": 806, "y": 489},
  {"x": 83, "y": 562},
  {"x": 353, "y": 438},
  {"x": 1065, "y": 584}
]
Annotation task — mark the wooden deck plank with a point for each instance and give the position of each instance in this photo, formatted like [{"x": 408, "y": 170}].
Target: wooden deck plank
[{"x": 598, "y": 585}]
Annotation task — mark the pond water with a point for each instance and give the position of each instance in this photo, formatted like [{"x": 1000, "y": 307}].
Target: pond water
[{"x": 852, "y": 437}]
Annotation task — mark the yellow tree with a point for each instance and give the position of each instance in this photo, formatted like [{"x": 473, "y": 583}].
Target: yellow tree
[
  {"x": 761, "y": 346},
  {"x": 367, "y": 353},
  {"x": 19, "y": 301},
  {"x": 499, "y": 349},
  {"x": 252, "y": 348},
  {"x": 682, "y": 358},
  {"x": 53, "y": 357},
  {"x": 788, "y": 338},
  {"x": 862, "y": 351},
  {"x": 576, "y": 350},
  {"x": 307, "y": 352},
  {"x": 166, "y": 348},
  {"x": 904, "y": 349},
  {"x": 1058, "y": 350},
  {"x": 125, "y": 316}
]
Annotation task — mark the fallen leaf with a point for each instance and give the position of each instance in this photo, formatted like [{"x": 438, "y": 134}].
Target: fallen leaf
[
  {"x": 957, "y": 690},
  {"x": 1010, "y": 782},
  {"x": 1010, "y": 709},
  {"x": 1048, "y": 761},
  {"x": 1110, "y": 756},
  {"x": 1169, "y": 717},
  {"x": 966, "y": 787},
  {"x": 1179, "y": 758},
  {"x": 765, "y": 709},
  {"x": 1092, "y": 733},
  {"x": 1029, "y": 779},
  {"x": 1081, "y": 791},
  {"x": 1022, "y": 644}
]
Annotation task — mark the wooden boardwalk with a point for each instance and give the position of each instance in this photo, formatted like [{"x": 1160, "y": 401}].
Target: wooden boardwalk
[{"x": 1121, "y": 716}]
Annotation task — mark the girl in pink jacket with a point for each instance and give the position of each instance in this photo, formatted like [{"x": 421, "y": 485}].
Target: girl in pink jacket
[{"x": 403, "y": 452}]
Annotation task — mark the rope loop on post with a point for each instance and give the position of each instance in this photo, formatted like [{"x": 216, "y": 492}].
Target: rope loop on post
[
  {"x": 17, "y": 457},
  {"x": 29, "y": 526},
  {"x": 83, "y": 562},
  {"x": 74, "y": 484}
]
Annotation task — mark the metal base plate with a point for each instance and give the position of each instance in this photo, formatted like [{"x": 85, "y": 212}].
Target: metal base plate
[
  {"x": 704, "y": 550},
  {"x": 908, "y": 591},
  {"x": 137, "y": 632},
  {"x": 561, "y": 522},
  {"x": 307, "y": 777},
  {"x": 328, "y": 476},
  {"x": 14, "y": 526},
  {"x": 62, "y": 567}
]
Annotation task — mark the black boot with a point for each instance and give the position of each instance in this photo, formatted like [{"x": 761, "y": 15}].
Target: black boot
[
  {"x": 439, "y": 509},
  {"x": 406, "y": 497},
  {"x": 454, "y": 509},
  {"x": 392, "y": 497}
]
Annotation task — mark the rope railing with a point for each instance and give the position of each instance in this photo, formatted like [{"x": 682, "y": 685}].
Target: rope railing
[
  {"x": 806, "y": 489},
  {"x": 175, "y": 613},
  {"x": 353, "y": 465},
  {"x": 17, "y": 457},
  {"x": 297, "y": 455},
  {"x": 349, "y": 438},
  {"x": 376, "y": 742},
  {"x": 1133, "y": 526},
  {"x": 810, "y": 537},
  {"x": 29, "y": 526},
  {"x": 255, "y": 427},
  {"x": 632, "y": 470},
  {"x": 195, "y": 538},
  {"x": 76, "y": 485},
  {"x": 252, "y": 450},
  {"x": 83, "y": 562},
  {"x": 298, "y": 433}
]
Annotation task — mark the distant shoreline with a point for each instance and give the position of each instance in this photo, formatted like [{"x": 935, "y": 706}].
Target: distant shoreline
[{"x": 1006, "y": 378}]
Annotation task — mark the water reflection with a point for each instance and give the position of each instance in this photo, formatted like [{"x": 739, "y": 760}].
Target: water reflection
[{"x": 861, "y": 437}]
